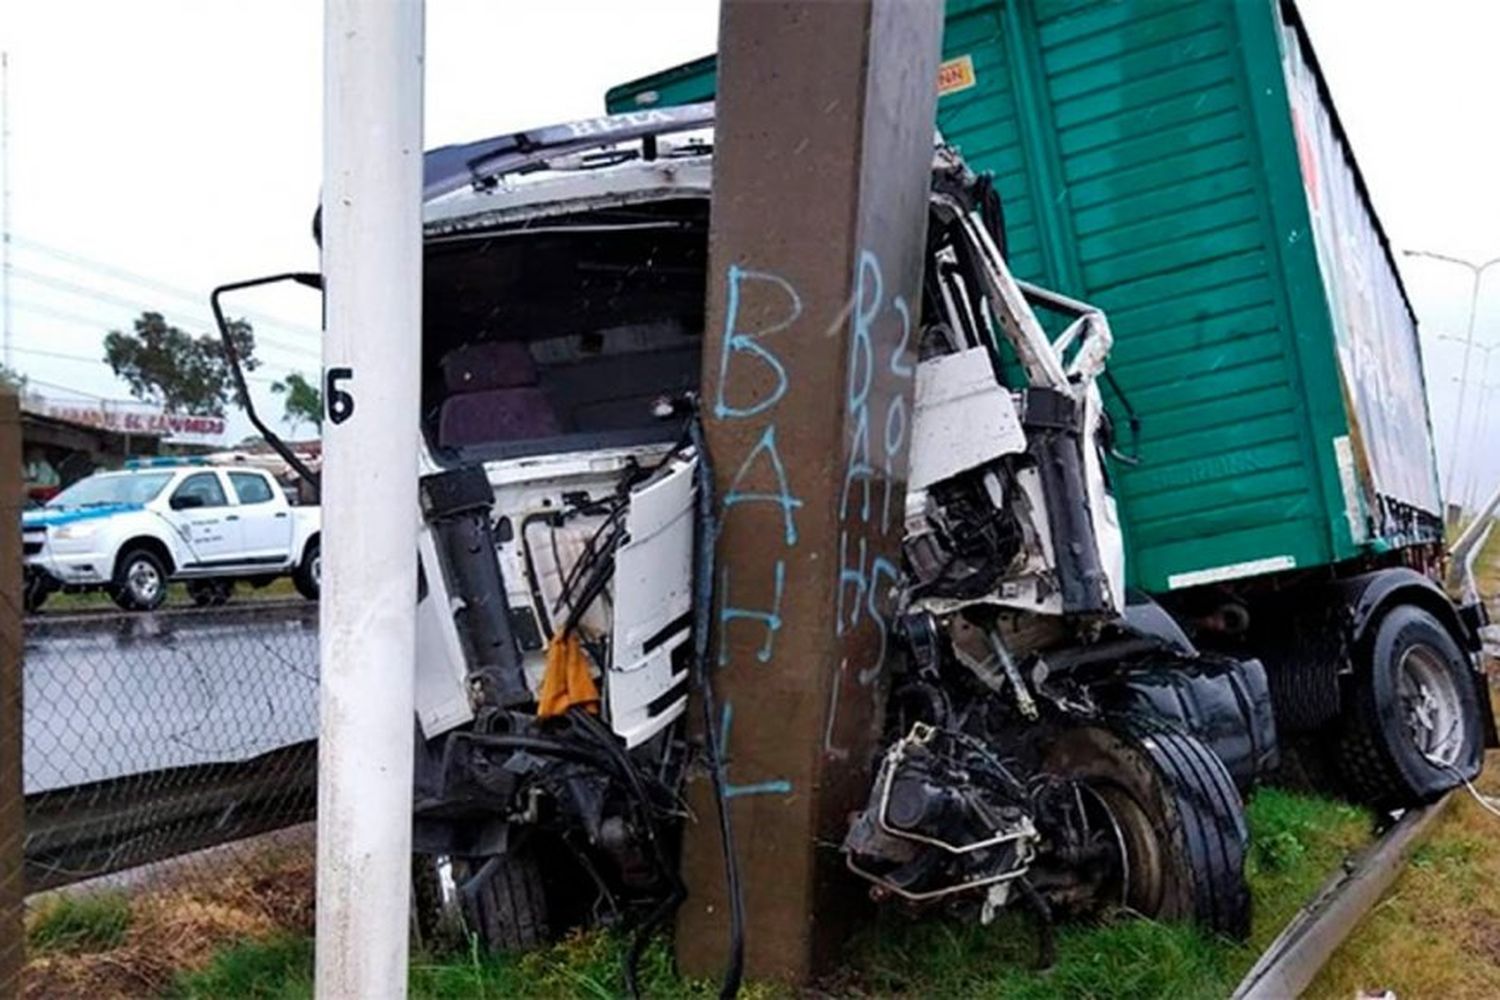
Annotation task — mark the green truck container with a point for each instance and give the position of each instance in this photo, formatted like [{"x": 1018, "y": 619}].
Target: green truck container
[{"x": 1181, "y": 165}]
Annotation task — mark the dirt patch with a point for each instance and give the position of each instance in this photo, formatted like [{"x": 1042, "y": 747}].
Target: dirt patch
[{"x": 178, "y": 922}]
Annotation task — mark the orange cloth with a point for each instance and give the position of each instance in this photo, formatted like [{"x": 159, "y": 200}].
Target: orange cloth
[{"x": 567, "y": 681}]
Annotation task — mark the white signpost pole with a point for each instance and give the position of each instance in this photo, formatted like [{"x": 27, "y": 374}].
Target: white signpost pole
[{"x": 372, "y": 267}]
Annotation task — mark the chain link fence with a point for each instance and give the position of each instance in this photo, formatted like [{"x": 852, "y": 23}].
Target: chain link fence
[{"x": 169, "y": 780}]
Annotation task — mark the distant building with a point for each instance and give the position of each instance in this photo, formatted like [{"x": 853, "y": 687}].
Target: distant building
[
  {"x": 56, "y": 452},
  {"x": 65, "y": 439}
]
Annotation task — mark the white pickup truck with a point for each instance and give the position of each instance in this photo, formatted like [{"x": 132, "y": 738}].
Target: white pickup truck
[{"x": 132, "y": 532}]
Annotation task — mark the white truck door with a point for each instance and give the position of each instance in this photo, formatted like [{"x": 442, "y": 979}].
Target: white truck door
[
  {"x": 200, "y": 511},
  {"x": 265, "y": 522}
]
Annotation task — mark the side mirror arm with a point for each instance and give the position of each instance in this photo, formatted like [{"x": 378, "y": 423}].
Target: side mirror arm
[{"x": 232, "y": 355}]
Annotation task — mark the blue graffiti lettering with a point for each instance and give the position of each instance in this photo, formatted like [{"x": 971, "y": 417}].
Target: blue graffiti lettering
[
  {"x": 782, "y": 497},
  {"x": 770, "y": 619},
  {"x": 737, "y": 341},
  {"x": 776, "y": 786},
  {"x": 900, "y": 362},
  {"x": 850, "y": 576},
  {"x": 879, "y": 567}
]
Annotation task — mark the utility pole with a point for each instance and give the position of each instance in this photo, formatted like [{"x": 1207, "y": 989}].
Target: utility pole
[
  {"x": 822, "y": 167},
  {"x": 5, "y": 205},
  {"x": 372, "y": 267},
  {"x": 1477, "y": 271},
  {"x": 12, "y": 796}
]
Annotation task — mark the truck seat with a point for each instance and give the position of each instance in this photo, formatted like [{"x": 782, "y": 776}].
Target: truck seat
[{"x": 494, "y": 397}]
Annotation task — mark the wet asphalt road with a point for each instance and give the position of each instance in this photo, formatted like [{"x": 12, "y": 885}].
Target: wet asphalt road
[{"x": 108, "y": 695}]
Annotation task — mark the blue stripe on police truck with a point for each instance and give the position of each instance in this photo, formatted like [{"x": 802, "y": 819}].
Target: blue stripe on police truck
[{"x": 55, "y": 518}]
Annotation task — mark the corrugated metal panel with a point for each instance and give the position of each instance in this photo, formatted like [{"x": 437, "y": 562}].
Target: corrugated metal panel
[
  {"x": 1156, "y": 168},
  {"x": 1379, "y": 357},
  {"x": 1145, "y": 154}
]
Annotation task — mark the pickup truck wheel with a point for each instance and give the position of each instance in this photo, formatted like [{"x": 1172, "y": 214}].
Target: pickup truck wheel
[
  {"x": 210, "y": 593},
  {"x": 140, "y": 581},
  {"x": 308, "y": 576},
  {"x": 1175, "y": 816},
  {"x": 1412, "y": 724},
  {"x": 36, "y": 591}
]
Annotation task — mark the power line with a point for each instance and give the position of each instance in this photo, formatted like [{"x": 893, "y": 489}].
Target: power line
[
  {"x": 161, "y": 287},
  {"x": 72, "y": 317},
  {"x": 64, "y": 356},
  {"x": 62, "y": 285}
]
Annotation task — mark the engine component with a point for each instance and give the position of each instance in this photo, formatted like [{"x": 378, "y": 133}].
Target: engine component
[
  {"x": 945, "y": 816},
  {"x": 457, "y": 505},
  {"x": 1053, "y": 431}
]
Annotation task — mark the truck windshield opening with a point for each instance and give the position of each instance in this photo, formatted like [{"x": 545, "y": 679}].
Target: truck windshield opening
[{"x": 563, "y": 336}]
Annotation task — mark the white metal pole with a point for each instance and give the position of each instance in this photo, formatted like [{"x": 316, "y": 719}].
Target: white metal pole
[{"x": 372, "y": 267}]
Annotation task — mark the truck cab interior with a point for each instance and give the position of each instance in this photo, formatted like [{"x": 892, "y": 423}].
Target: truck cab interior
[{"x": 563, "y": 336}]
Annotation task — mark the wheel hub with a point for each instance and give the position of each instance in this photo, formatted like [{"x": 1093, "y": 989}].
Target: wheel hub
[
  {"x": 1430, "y": 705},
  {"x": 145, "y": 581}
]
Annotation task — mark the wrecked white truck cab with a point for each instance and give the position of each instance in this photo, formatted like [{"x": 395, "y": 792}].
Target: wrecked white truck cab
[{"x": 1051, "y": 738}]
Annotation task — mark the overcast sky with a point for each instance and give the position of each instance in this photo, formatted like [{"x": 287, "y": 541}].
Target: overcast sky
[{"x": 160, "y": 148}]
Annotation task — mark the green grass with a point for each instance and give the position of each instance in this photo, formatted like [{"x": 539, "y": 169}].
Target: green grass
[
  {"x": 276, "y": 969},
  {"x": 585, "y": 966},
  {"x": 1297, "y": 842},
  {"x": 89, "y": 600},
  {"x": 79, "y": 924}
]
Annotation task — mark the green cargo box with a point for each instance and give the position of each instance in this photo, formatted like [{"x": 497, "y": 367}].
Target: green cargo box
[{"x": 1180, "y": 165}]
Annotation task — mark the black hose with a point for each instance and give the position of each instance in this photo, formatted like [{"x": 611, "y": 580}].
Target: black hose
[
  {"x": 678, "y": 892},
  {"x": 706, "y": 535},
  {"x": 1045, "y": 932}
]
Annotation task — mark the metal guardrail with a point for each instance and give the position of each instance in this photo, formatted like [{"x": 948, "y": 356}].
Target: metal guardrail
[
  {"x": 85, "y": 831},
  {"x": 1292, "y": 961}
]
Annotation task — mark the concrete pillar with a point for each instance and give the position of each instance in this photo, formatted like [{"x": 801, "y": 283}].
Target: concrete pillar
[
  {"x": 822, "y": 160},
  {"x": 12, "y": 818}
]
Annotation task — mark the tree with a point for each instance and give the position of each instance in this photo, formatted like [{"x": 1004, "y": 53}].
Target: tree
[
  {"x": 9, "y": 376},
  {"x": 180, "y": 372},
  {"x": 304, "y": 403}
]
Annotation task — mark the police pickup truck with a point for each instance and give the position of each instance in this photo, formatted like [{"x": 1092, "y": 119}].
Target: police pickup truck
[{"x": 132, "y": 532}]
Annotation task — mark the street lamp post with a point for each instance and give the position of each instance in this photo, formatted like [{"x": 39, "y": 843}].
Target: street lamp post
[
  {"x": 1477, "y": 270},
  {"x": 1485, "y": 389}
]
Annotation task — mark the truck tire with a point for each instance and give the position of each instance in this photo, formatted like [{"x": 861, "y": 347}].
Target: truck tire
[
  {"x": 1412, "y": 725},
  {"x": 35, "y": 592},
  {"x": 140, "y": 582},
  {"x": 210, "y": 593},
  {"x": 308, "y": 576},
  {"x": 503, "y": 900},
  {"x": 1180, "y": 822}
]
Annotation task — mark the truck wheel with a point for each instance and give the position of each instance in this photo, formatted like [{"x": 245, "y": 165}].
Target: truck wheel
[
  {"x": 1412, "y": 725},
  {"x": 502, "y": 900},
  {"x": 140, "y": 581},
  {"x": 210, "y": 593},
  {"x": 1178, "y": 821},
  {"x": 308, "y": 576},
  {"x": 36, "y": 591}
]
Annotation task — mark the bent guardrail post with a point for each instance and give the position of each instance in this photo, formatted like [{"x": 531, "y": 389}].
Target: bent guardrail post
[{"x": 1300, "y": 951}]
